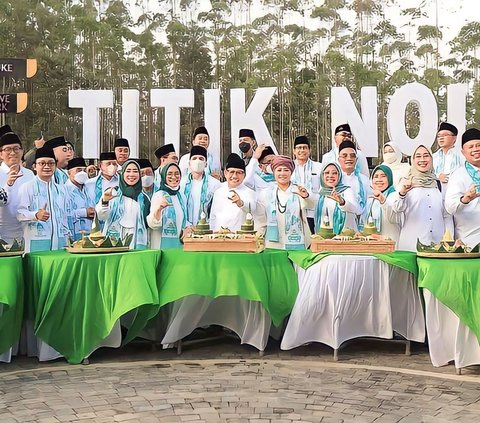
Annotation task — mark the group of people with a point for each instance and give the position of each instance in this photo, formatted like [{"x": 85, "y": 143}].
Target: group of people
[{"x": 288, "y": 198}]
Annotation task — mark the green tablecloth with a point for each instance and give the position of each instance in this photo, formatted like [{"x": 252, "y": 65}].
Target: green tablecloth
[
  {"x": 455, "y": 283},
  {"x": 11, "y": 298},
  {"x": 74, "y": 300},
  {"x": 406, "y": 260},
  {"x": 268, "y": 277}
]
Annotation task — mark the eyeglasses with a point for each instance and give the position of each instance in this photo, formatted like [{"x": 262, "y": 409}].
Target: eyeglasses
[
  {"x": 45, "y": 164},
  {"x": 8, "y": 150}
]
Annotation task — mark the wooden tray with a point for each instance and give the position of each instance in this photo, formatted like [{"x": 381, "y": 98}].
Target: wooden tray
[
  {"x": 11, "y": 253},
  {"x": 98, "y": 250},
  {"x": 247, "y": 245},
  {"x": 332, "y": 245},
  {"x": 428, "y": 254}
]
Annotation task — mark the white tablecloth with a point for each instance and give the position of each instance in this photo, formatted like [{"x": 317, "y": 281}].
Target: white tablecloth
[
  {"x": 448, "y": 338},
  {"x": 248, "y": 319},
  {"x": 346, "y": 297},
  {"x": 38, "y": 348}
]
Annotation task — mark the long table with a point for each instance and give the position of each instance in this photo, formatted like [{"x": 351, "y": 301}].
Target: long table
[
  {"x": 11, "y": 303},
  {"x": 74, "y": 300},
  {"x": 451, "y": 289}
]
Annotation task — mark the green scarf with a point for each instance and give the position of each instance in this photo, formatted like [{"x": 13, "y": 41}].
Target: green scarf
[
  {"x": 130, "y": 191},
  {"x": 163, "y": 179}
]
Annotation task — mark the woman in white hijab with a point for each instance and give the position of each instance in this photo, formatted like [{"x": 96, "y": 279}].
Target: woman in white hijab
[
  {"x": 419, "y": 198},
  {"x": 392, "y": 157}
]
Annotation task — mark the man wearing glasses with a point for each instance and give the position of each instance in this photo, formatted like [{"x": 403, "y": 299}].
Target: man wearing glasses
[
  {"x": 42, "y": 207},
  {"x": 343, "y": 133},
  {"x": 447, "y": 158},
  {"x": 12, "y": 176}
]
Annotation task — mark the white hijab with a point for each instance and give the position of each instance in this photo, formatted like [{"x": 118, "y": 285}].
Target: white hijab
[{"x": 399, "y": 169}]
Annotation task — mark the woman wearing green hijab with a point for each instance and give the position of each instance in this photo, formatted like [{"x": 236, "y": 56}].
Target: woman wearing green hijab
[
  {"x": 379, "y": 208},
  {"x": 168, "y": 215},
  {"x": 124, "y": 212}
]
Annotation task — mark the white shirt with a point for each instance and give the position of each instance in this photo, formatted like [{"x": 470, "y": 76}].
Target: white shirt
[
  {"x": 351, "y": 207},
  {"x": 310, "y": 180},
  {"x": 423, "y": 217},
  {"x": 196, "y": 194},
  {"x": 127, "y": 223},
  {"x": 226, "y": 214},
  {"x": 352, "y": 182},
  {"x": 332, "y": 157},
  {"x": 78, "y": 201},
  {"x": 10, "y": 227},
  {"x": 38, "y": 235},
  {"x": 253, "y": 180},
  {"x": 156, "y": 225},
  {"x": 91, "y": 184},
  {"x": 466, "y": 216},
  {"x": 263, "y": 205}
]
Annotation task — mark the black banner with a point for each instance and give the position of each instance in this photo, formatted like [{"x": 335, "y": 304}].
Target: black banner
[
  {"x": 13, "y": 103},
  {"x": 18, "y": 68}
]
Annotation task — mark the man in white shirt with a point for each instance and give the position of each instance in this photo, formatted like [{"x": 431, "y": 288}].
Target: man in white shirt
[
  {"x": 259, "y": 174},
  {"x": 198, "y": 187},
  {"x": 360, "y": 184},
  {"x": 122, "y": 150},
  {"x": 247, "y": 144},
  {"x": 60, "y": 149},
  {"x": 12, "y": 176},
  {"x": 81, "y": 207},
  {"x": 462, "y": 199},
  {"x": 165, "y": 154},
  {"x": 107, "y": 178},
  {"x": 343, "y": 133},
  {"x": 202, "y": 139},
  {"x": 233, "y": 200},
  {"x": 42, "y": 207},
  {"x": 306, "y": 173},
  {"x": 447, "y": 158}
]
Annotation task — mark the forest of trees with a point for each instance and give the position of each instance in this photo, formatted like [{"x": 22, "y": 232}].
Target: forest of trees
[{"x": 87, "y": 44}]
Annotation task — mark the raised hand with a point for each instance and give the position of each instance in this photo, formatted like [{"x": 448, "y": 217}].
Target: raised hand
[
  {"x": 301, "y": 192},
  {"x": 406, "y": 186},
  {"x": 472, "y": 193},
  {"x": 43, "y": 214},
  {"x": 13, "y": 174},
  {"x": 258, "y": 152},
  {"x": 377, "y": 195}
]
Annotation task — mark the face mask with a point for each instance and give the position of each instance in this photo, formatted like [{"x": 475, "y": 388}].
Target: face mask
[
  {"x": 111, "y": 170},
  {"x": 147, "y": 180},
  {"x": 389, "y": 157},
  {"x": 244, "y": 147},
  {"x": 197, "y": 165},
  {"x": 80, "y": 177}
]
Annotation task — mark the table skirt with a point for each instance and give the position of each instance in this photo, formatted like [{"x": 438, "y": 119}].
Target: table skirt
[
  {"x": 346, "y": 297},
  {"x": 448, "y": 338},
  {"x": 248, "y": 319}
]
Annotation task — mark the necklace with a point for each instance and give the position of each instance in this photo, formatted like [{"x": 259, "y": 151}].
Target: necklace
[{"x": 282, "y": 208}]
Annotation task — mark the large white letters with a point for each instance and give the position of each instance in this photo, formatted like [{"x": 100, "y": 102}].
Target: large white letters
[
  {"x": 364, "y": 128},
  {"x": 90, "y": 101}
]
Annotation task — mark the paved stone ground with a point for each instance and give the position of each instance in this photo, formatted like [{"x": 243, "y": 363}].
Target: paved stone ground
[{"x": 373, "y": 381}]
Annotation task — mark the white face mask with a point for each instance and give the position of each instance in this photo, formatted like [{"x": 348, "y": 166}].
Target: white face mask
[
  {"x": 147, "y": 180},
  {"x": 389, "y": 157},
  {"x": 197, "y": 165},
  {"x": 80, "y": 177},
  {"x": 111, "y": 170}
]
